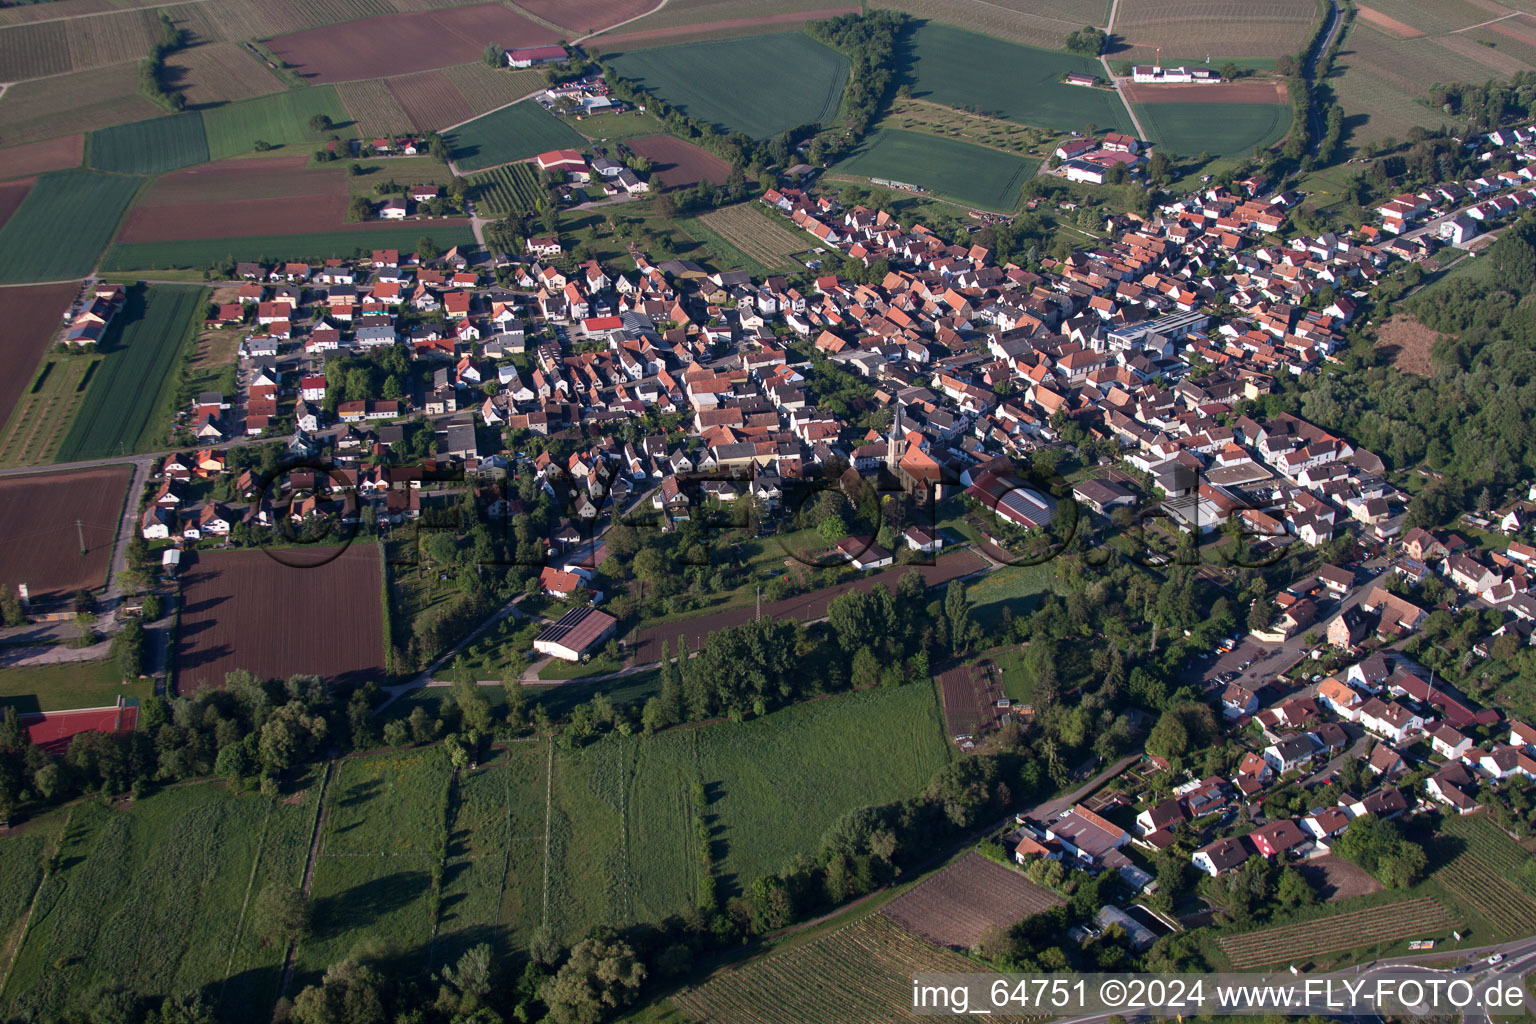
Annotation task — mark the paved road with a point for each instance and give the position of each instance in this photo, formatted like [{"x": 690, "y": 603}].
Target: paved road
[
  {"x": 1109, "y": 73},
  {"x": 1315, "y": 125}
]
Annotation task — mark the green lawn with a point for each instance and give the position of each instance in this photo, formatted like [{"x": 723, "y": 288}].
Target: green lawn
[
  {"x": 1013, "y": 586},
  {"x": 197, "y": 253},
  {"x": 61, "y": 227},
  {"x": 1022, "y": 83},
  {"x": 126, "y": 406},
  {"x": 560, "y": 670},
  {"x": 1221, "y": 129},
  {"x": 81, "y": 684},
  {"x": 280, "y": 119},
  {"x": 945, "y": 167},
  {"x": 518, "y": 132},
  {"x": 628, "y": 125},
  {"x": 152, "y": 897},
  {"x": 760, "y": 85},
  {"x": 154, "y": 146}
]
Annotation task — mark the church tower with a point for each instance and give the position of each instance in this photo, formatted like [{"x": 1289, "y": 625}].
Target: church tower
[{"x": 894, "y": 443}]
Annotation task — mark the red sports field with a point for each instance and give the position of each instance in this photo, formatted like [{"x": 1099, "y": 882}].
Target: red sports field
[
  {"x": 40, "y": 545},
  {"x": 53, "y": 730},
  {"x": 37, "y": 157},
  {"x": 398, "y": 44},
  {"x": 245, "y": 610},
  {"x": 675, "y": 162}
]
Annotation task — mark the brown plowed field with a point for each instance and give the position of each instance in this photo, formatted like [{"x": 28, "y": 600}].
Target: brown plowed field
[
  {"x": 235, "y": 219},
  {"x": 589, "y": 16},
  {"x": 250, "y": 178},
  {"x": 429, "y": 100},
  {"x": 727, "y": 27},
  {"x": 1335, "y": 878},
  {"x": 803, "y": 608},
  {"x": 243, "y": 609},
  {"x": 957, "y": 905},
  {"x": 11, "y": 195},
  {"x": 675, "y": 162},
  {"x": 41, "y": 547},
  {"x": 31, "y": 316},
  {"x": 1386, "y": 23},
  {"x": 1226, "y": 92},
  {"x": 37, "y": 157},
  {"x": 405, "y": 43}
]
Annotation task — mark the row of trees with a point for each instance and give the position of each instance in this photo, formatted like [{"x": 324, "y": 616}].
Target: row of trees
[{"x": 152, "y": 71}]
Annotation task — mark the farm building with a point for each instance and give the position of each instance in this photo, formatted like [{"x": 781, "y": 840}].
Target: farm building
[
  {"x": 575, "y": 633},
  {"x": 1078, "y": 78},
  {"x": 1013, "y": 501},
  {"x": 1155, "y": 74},
  {"x": 562, "y": 160},
  {"x": 529, "y": 56},
  {"x": 1081, "y": 170}
]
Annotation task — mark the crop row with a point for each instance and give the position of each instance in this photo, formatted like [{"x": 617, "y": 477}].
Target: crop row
[
  {"x": 1410, "y": 918},
  {"x": 504, "y": 190},
  {"x": 1491, "y": 845},
  {"x": 1479, "y": 886}
]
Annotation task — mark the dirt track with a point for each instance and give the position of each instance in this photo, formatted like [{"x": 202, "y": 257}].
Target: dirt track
[{"x": 1226, "y": 92}]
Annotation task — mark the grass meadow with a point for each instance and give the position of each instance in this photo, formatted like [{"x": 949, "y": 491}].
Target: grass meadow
[
  {"x": 196, "y": 253},
  {"x": 150, "y": 147},
  {"x": 519, "y": 132},
  {"x": 1021, "y": 83},
  {"x": 945, "y": 167},
  {"x": 81, "y": 684},
  {"x": 122, "y": 412},
  {"x": 760, "y": 85},
  {"x": 153, "y": 896},
  {"x": 281, "y": 119},
  {"x": 61, "y": 227}
]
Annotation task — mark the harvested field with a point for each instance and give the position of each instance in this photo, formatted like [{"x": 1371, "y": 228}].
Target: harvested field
[
  {"x": 154, "y": 146},
  {"x": 1335, "y": 879},
  {"x": 11, "y": 195},
  {"x": 1256, "y": 28},
  {"x": 23, "y": 13},
  {"x": 956, "y": 906},
  {"x": 642, "y": 37},
  {"x": 63, "y": 224},
  {"x": 722, "y": 82},
  {"x": 405, "y": 42},
  {"x": 1407, "y": 342},
  {"x": 111, "y": 38},
  {"x": 1420, "y": 918},
  {"x": 754, "y": 234},
  {"x": 244, "y": 609},
  {"x": 32, "y": 51},
  {"x": 970, "y": 693},
  {"x": 1226, "y": 92},
  {"x": 36, "y": 157},
  {"x": 518, "y": 132},
  {"x": 1391, "y": 26},
  {"x": 235, "y": 218},
  {"x": 706, "y": 13},
  {"x": 804, "y": 608},
  {"x": 41, "y": 547},
  {"x": 429, "y": 99},
  {"x": 485, "y": 88},
  {"x": 859, "y": 974},
  {"x": 215, "y": 73},
  {"x": 588, "y": 16},
  {"x": 250, "y": 178},
  {"x": 73, "y": 103},
  {"x": 1018, "y": 21},
  {"x": 675, "y": 162},
  {"x": 31, "y": 317},
  {"x": 374, "y": 108}
]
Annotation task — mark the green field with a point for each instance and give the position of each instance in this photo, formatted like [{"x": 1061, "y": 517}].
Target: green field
[
  {"x": 1021, "y": 83},
  {"x": 61, "y": 227},
  {"x": 150, "y": 147},
  {"x": 127, "y": 402},
  {"x": 502, "y": 190},
  {"x": 760, "y": 85},
  {"x": 946, "y": 167},
  {"x": 197, "y": 253},
  {"x": 373, "y": 878},
  {"x": 279, "y": 119},
  {"x": 518, "y": 132},
  {"x": 152, "y": 896},
  {"x": 1220, "y": 129},
  {"x": 81, "y": 684}
]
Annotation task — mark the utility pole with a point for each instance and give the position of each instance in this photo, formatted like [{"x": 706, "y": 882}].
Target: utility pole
[{"x": 80, "y": 529}]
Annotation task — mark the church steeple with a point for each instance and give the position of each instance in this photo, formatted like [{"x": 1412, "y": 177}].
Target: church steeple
[{"x": 894, "y": 443}]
